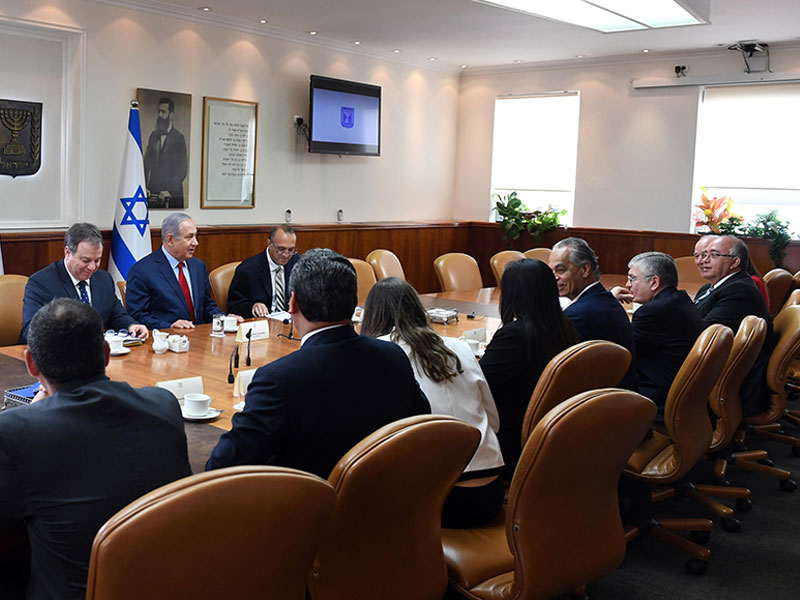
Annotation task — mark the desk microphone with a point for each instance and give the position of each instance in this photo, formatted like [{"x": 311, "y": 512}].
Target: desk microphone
[
  {"x": 230, "y": 363},
  {"x": 248, "y": 336},
  {"x": 291, "y": 331}
]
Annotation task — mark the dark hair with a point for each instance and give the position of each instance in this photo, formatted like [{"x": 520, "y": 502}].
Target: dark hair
[
  {"x": 580, "y": 253},
  {"x": 168, "y": 102},
  {"x": 82, "y": 232},
  {"x": 325, "y": 286},
  {"x": 393, "y": 306},
  {"x": 528, "y": 293},
  {"x": 658, "y": 264},
  {"x": 65, "y": 339},
  {"x": 287, "y": 229}
]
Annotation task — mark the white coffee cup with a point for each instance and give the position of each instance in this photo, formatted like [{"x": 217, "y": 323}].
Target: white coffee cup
[
  {"x": 230, "y": 324},
  {"x": 196, "y": 405},
  {"x": 474, "y": 345},
  {"x": 115, "y": 344}
]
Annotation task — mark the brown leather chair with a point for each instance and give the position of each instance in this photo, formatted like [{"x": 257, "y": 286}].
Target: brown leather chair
[
  {"x": 665, "y": 458},
  {"x": 542, "y": 254},
  {"x": 794, "y": 366},
  {"x": 457, "y": 271},
  {"x": 220, "y": 280},
  {"x": 384, "y": 539},
  {"x": 793, "y": 299},
  {"x": 239, "y": 532},
  {"x": 687, "y": 271},
  {"x": 499, "y": 261},
  {"x": 385, "y": 264},
  {"x": 586, "y": 366},
  {"x": 123, "y": 288},
  {"x": 12, "y": 292},
  {"x": 780, "y": 284},
  {"x": 561, "y": 528},
  {"x": 366, "y": 278}
]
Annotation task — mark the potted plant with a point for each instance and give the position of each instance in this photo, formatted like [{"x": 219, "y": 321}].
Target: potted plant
[{"x": 515, "y": 218}]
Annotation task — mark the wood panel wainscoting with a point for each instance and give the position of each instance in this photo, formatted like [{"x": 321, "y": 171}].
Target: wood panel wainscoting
[{"x": 416, "y": 244}]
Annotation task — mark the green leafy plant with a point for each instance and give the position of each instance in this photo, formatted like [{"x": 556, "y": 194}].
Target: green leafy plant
[
  {"x": 769, "y": 226},
  {"x": 516, "y": 218}
]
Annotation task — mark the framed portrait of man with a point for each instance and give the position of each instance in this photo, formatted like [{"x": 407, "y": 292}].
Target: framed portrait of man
[{"x": 166, "y": 125}]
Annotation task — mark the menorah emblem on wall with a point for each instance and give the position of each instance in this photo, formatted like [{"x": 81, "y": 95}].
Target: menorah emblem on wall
[{"x": 15, "y": 120}]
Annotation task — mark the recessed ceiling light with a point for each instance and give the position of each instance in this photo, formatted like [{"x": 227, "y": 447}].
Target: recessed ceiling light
[
  {"x": 432, "y": 58},
  {"x": 205, "y": 8},
  {"x": 519, "y": 60},
  {"x": 646, "y": 50},
  {"x": 262, "y": 21},
  {"x": 356, "y": 43},
  {"x": 312, "y": 33},
  {"x": 464, "y": 66},
  {"x": 396, "y": 50},
  {"x": 579, "y": 56}
]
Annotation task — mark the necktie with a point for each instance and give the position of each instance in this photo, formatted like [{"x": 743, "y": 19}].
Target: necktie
[
  {"x": 280, "y": 297},
  {"x": 84, "y": 295},
  {"x": 186, "y": 293}
]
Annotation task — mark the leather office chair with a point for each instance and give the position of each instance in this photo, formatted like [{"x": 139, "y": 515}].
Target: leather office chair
[
  {"x": 385, "y": 264},
  {"x": 366, "y": 278},
  {"x": 384, "y": 540},
  {"x": 220, "y": 280},
  {"x": 780, "y": 284},
  {"x": 457, "y": 271},
  {"x": 542, "y": 254},
  {"x": 561, "y": 528},
  {"x": 586, "y": 366},
  {"x": 12, "y": 292},
  {"x": 122, "y": 286},
  {"x": 664, "y": 459},
  {"x": 793, "y": 299},
  {"x": 499, "y": 261},
  {"x": 687, "y": 271},
  {"x": 239, "y": 532}
]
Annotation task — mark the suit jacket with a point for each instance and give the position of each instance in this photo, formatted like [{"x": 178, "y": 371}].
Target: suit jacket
[
  {"x": 165, "y": 168},
  {"x": 155, "y": 297},
  {"x": 307, "y": 409},
  {"x": 597, "y": 315},
  {"x": 728, "y": 304},
  {"x": 71, "y": 461},
  {"x": 252, "y": 282},
  {"x": 664, "y": 331},
  {"x": 54, "y": 282}
]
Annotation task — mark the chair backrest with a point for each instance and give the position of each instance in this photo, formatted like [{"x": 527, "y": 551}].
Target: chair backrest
[
  {"x": 385, "y": 264},
  {"x": 385, "y": 536},
  {"x": 562, "y": 521},
  {"x": 366, "y": 278},
  {"x": 12, "y": 292},
  {"x": 238, "y": 532},
  {"x": 220, "y": 280},
  {"x": 457, "y": 271},
  {"x": 725, "y": 400},
  {"x": 123, "y": 288},
  {"x": 542, "y": 254},
  {"x": 780, "y": 284},
  {"x": 793, "y": 299},
  {"x": 586, "y": 366},
  {"x": 687, "y": 270},
  {"x": 686, "y": 411},
  {"x": 499, "y": 261},
  {"x": 786, "y": 327}
]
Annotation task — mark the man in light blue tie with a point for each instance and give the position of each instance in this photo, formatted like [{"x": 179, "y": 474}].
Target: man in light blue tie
[{"x": 80, "y": 277}]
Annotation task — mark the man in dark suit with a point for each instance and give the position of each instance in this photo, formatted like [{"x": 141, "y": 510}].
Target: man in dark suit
[
  {"x": 594, "y": 312},
  {"x": 78, "y": 276},
  {"x": 165, "y": 161},
  {"x": 169, "y": 287},
  {"x": 259, "y": 283},
  {"x": 307, "y": 409},
  {"x": 85, "y": 449},
  {"x": 665, "y": 326},
  {"x": 728, "y": 297}
]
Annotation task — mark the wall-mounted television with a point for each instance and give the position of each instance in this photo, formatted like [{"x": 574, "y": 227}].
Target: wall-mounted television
[{"x": 344, "y": 117}]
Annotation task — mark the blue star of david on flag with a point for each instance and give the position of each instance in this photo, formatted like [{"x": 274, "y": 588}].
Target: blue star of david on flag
[{"x": 130, "y": 204}]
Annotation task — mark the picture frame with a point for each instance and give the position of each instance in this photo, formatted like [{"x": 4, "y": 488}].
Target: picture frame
[
  {"x": 229, "y": 153},
  {"x": 167, "y": 116}
]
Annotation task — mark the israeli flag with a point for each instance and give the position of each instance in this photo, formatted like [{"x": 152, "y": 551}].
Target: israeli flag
[{"x": 130, "y": 238}]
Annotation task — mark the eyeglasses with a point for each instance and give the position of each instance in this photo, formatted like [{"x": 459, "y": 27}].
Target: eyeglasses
[
  {"x": 633, "y": 278},
  {"x": 284, "y": 251},
  {"x": 713, "y": 254}
]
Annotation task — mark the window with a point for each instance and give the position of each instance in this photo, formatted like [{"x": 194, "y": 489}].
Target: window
[
  {"x": 535, "y": 150},
  {"x": 747, "y": 149}
]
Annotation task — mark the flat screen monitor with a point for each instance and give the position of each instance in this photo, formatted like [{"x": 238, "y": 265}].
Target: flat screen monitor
[{"x": 344, "y": 117}]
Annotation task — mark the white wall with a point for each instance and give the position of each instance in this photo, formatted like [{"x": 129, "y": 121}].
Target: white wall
[
  {"x": 635, "y": 147},
  {"x": 126, "y": 49}
]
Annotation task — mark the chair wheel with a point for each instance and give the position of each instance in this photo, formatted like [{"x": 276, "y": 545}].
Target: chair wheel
[
  {"x": 796, "y": 450},
  {"x": 699, "y": 537},
  {"x": 788, "y": 485},
  {"x": 732, "y": 525},
  {"x": 695, "y": 566},
  {"x": 744, "y": 504},
  {"x": 767, "y": 462}
]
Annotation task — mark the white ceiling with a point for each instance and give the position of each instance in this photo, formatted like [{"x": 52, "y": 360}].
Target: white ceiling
[{"x": 460, "y": 32}]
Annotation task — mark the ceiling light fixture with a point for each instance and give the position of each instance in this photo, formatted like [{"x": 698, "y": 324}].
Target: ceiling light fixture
[
  {"x": 579, "y": 56},
  {"x": 432, "y": 58},
  {"x": 464, "y": 66},
  {"x": 646, "y": 50},
  {"x": 519, "y": 60},
  {"x": 611, "y": 16},
  {"x": 312, "y": 33},
  {"x": 263, "y": 21},
  {"x": 396, "y": 50},
  {"x": 205, "y": 8},
  {"x": 356, "y": 43}
]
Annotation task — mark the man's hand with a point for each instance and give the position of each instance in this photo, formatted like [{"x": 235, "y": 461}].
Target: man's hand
[
  {"x": 139, "y": 331},
  {"x": 182, "y": 324},
  {"x": 260, "y": 309},
  {"x": 622, "y": 294},
  {"x": 42, "y": 393},
  {"x": 238, "y": 318}
]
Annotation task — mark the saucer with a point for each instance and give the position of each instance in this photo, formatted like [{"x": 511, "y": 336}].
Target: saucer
[
  {"x": 212, "y": 414},
  {"x": 122, "y": 352}
]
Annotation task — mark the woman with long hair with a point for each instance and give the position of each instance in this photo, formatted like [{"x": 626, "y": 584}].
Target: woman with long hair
[
  {"x": 452, "y": 380},
  {"x": 534, "y": 329}
]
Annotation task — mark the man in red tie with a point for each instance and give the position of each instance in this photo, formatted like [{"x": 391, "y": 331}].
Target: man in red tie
[{"x": 169, "y": 288}]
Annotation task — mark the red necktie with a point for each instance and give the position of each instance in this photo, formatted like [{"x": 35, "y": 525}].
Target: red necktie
[{"x": 186, "y": 293}]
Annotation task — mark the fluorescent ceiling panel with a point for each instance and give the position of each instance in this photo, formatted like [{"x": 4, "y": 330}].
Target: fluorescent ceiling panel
[{"x": 653, "y": 13}]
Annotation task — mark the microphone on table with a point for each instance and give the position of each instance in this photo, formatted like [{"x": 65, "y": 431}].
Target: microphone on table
[
  {"x": 248, "y": 336},
  {"x": 230, "y": 363},
  {"x": 291, "y": 330}
]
